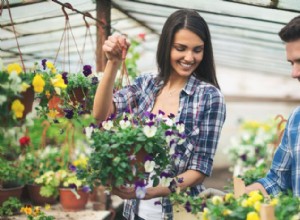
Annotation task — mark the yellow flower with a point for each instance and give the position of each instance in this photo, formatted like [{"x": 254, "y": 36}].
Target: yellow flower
[
  {"x": 51, "y": 66},
  {"x": 205, "y": 214},
  {"x": 27, "y": 210},
  {"x": 18, "y": 108},
  {"x": 58, "y": 81},
  {"x": 14, "y": 68},
  {"x": 48, "y": 94},
  {"x": 257, "y": 206},
  {"x": 47, "y": 206},
  {"x": 253, "y": 216},
  {"x": 81, "y": 161},
  {"x": 52, "y": 113},
  {"x": 274, "y": 202},
  {"x": 245, "y": 203},
  {"x": 38, "y": 83},
  {"x": 254, "y": 196},
  {"x": 228, "y": 197},
  {"x": 216, "y": 200},
  {"x": 25, "y": 86},
  {"x": 227, "y": 212},
  {"x": 36, "y": 211}
]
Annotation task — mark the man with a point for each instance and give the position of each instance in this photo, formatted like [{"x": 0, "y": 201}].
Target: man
[{"x": 284, "y": 173}]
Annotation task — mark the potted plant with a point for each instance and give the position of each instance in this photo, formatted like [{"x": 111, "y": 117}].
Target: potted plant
[
  {"x": 48, "y": 86},
  {"x": 248, "y": 206},
  {"x": 16, "y": 95},
  {"x": 73, "y": 192},
  {"x": 125, "y": 149},
  {"x": 11, "y": 183},
  {"x": 80, "y": 92},
  {"x": 10, "y": 207}
]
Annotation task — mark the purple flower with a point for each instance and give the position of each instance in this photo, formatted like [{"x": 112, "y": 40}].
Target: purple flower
[
  {"x": 157, "y": 203},
  {"x": 87, "y": 70},
  {"x": 69, "y": 113},
  {"x": 72, "y": 168},
  {"x": 65, "y": 77},
  {"x": 151, "y": 123},
  {"x": 44, "y": 63},
  {"x": 73, "y": 186},
  {"x": 171, "y": 115},
  {"x": 180, "y": 180},
  {"x": 95, "y": 80},
  {"x": 139, "y": 183},
  {"x": 160, "y": 112},
  {"x": 165, "y": 174},
  {"x": 148, "y": 157},
  {"x": 86, "y": 189},
  {"x": 188, "y": 207},
  {"x": 243, "y": 157},
  {"x": 169, "y": 133}
]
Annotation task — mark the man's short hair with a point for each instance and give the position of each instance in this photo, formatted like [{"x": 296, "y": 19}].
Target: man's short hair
[{"x": 291, "y": 31}]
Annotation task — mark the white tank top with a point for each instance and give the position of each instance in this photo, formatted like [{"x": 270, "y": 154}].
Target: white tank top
[{"x": 147, "y": 209}]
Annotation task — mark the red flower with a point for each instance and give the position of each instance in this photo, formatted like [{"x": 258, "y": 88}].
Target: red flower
[
  {"x": 24, "y": 141},
  {"x": 142, "y": 36}
]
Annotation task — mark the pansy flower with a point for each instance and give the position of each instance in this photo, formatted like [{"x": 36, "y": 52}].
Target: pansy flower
[{"x": 149, "y": 129}]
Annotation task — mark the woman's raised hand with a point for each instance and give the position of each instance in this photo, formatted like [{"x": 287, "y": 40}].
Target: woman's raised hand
[{"x": 115, "y": 47}]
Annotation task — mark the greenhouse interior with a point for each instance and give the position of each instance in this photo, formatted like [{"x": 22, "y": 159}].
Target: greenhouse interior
[{"x": 55, "y": 141}]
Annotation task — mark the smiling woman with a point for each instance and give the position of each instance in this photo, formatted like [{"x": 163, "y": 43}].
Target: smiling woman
[{"x": 186, "y": 71}]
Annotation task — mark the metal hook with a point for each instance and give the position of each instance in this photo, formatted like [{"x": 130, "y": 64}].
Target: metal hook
[
  {"x": 87, "y": 14},
  {"x": 69, "y": 6}
]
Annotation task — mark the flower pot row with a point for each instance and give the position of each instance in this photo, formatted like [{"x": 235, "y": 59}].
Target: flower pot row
[{"x": 68, "y": 200}]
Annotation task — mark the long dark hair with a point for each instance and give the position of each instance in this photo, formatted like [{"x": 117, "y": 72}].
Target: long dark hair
[{"x": 191, "y": 20}]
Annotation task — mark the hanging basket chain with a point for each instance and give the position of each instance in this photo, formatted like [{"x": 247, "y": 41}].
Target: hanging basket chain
[{"x": 14, "y": 30}]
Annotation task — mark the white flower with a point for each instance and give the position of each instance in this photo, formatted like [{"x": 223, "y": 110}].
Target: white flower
[
  {"x": 88, "y": 132},
  {"x": 124, "y": 124},
  {"x": 15, "y": 84},
  {"x": 180, "y": 127},
  {"x": 57, "y": 90},
  {"x": 165, "y": 181},
  {"x": 107, "y": 125},
  {"x": 149, "y": 131},
  {"x": 172, "y": 149},
  {"x": 2, "y": 99},
  {"x": 140, "y": 192},
  {"x": 169, "y": 122},
  {"x": 149, "y": 166}
]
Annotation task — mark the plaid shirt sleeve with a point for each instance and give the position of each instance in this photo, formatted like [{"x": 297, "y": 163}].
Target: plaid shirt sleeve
[
  {"x": 211, "y": 116},
  {"x": 284, "y": 173}
]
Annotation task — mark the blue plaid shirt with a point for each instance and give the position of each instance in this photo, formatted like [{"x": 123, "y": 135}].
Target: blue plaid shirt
[
  {"x": 201, "y": 108},
  {"x": 284, "y": 173}
]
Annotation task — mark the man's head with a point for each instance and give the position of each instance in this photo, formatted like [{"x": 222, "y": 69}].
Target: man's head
[{"x": 290, "y": 34}]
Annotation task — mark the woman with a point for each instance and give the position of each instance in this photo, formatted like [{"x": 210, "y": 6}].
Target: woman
[{"x": 186, "y": 86}]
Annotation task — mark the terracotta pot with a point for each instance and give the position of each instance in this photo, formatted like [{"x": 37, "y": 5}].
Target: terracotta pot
[
  {"x": 37, "y": 198},
  {"x": 27, "y": 100},
  {"x": 54, "y": 103},
  {"x": 69, "y": 201},
  {"x": 5, "y": 193},
  {"x": 139, "y": 162},
  {"x": 78, "y": 96}
]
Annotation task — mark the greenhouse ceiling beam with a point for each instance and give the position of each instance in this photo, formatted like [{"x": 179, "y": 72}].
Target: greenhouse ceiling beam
[
  {"x": 23, "y": 3},
  {"x": 132, "y": 17},
  {"x": 274, "y": 4}
]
